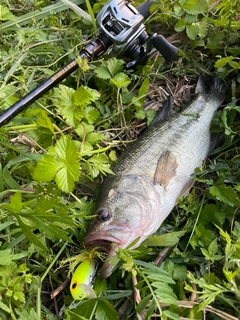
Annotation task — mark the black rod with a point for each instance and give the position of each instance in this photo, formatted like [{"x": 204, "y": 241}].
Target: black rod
[
  {"x": 36, "y": 93},
  {"x": 93, "y": 49}
]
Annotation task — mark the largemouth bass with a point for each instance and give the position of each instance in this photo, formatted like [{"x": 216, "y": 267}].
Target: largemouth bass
[{"x": 153, "y": 172}]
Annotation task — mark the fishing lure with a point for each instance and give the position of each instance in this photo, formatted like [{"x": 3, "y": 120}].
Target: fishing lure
[{"x": 82, "y": 280}]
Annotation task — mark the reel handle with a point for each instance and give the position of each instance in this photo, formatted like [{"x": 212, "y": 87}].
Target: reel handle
[
  {"x": 144, "y": 9},
  {"x": 168, "y": 51}
]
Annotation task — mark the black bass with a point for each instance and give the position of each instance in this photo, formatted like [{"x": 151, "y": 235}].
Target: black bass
[{"x": 153, "y": 172}]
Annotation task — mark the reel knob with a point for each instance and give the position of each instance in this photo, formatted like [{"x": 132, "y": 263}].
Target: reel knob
[{"x": 168, "y": 51}]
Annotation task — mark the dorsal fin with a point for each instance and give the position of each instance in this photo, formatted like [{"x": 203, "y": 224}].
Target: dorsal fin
[{"x": 165, "y": 112}]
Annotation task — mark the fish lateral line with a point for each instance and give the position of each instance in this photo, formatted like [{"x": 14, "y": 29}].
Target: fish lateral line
[{"x": 192, "y": 115}]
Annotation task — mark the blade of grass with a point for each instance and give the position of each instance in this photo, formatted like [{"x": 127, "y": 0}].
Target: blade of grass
[
  {"x": 38, "y": 300},
  {"x": 37, "y": 15},
  {"x": 14, "y": 68},
  {"x": 199, "y": 212},
  {"x": 78, "y": 10},
  {"x": 90, "y": 11}
]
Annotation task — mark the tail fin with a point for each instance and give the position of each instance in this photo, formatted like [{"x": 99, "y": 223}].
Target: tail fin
[{"x": 216, "y": 86}]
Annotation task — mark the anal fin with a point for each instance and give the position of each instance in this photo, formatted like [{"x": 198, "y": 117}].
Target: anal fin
[
  {"x": 186, "y": 189},
  {"x": 166, "y": 169}
]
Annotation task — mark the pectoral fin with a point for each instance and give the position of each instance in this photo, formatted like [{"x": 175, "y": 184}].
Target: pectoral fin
[{"x": 166, "y": 169}]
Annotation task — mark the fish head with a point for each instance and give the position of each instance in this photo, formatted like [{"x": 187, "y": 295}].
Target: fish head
[{"x": 125, "y": 212}]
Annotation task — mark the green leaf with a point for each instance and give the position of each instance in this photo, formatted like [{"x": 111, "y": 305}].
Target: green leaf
[
  {"x": 151, "y": 114},
  {"x": 202, "y": 237},
  {"x": 226, "y": 236},
  {"x": 91, "y": 114},
  {"x": 166, "y": 296},
  {"x": 72, "y": 103},
  {"x": 32, "y": 238},
  {"x": 1, "y": 179},
  {"x": 65, "y": 148},
  {"x": 99, "y": 163},
  {"x": 220, "y": 63},
  {"x": 84, "y": 96},
  {"x": 9, "y": 180},
  {"x": 140, "y": 114},
  {"x": 5, "y": 14},
  {"x": 191, "y": 18},
  {"x": 180, "y": 25},
  {"x": 192, "y": 31},
  {"x": 61, "y": 164},
  {"x": 6, "y": 224},
  {"x": 74, "y": 315},
  {"x": 150, "y": 310},
  {"x": 83, "y": 129},
  {"x": 94, "y": 138},
  {"x": 67, "y": 152},
  {"x": 234, "y": 64},
  {"x": 7, "y": 256},
  {"x": 202, "y": 28},
  {"x": 178, "y": 10},
  {"x": 103, "y": 73},
  {"x": 143, "y": 90},
  {"x": 26, "y": 314},
  {"x": 7, "y": 96},
  {"x": 143, "y": 303},
  {"x": 178, "y": 271},
  {"x": 214, "y": 41},
  {"x": 207, "y": 214},
  {"x": 115, "y": 66},
  {"x": 121, "y": 80},
  {"x": 225, "y": 194},
  {"x": 4, "y": 307},
  {"x": 105, "y": 311},
  {"x": 208, "y": 298},
  {"x": 47, "y": 168},
  {"x": 194, "y": 6},
  {"x": 171, "y": 315},
  {"x": 164, "y": 240},
  {"x": 44, "y": 123},
  {"x": 158, "y": 274},
  {"x": 15, "y": 205},
  {"x": 19, "y": 296},
  {"x": 109, "y": 69},
  {"x": 213, "y": 247},
  {"x": 64, "y": 100},
  {"x": 64, "y": 96}
]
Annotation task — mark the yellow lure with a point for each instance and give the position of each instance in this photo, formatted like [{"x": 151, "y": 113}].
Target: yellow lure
[{"x": 82, "y": 280}]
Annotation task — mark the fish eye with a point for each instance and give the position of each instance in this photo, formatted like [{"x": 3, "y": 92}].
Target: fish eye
[{"x": 103, "y": 215}]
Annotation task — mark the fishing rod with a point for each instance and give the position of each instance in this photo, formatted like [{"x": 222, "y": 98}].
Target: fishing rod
[{"x": 121, "y": 25}]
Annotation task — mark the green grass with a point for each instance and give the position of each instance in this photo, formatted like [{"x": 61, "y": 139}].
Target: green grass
[{"x": 55, "y": 153}]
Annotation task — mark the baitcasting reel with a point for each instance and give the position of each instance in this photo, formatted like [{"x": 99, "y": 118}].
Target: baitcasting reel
[{"x": 122, "y": 26}]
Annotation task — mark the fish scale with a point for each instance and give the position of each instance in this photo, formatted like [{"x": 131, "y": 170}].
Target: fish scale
[
  {"x": 165, "y": 136},
  {"x": 152, "y": 173}
]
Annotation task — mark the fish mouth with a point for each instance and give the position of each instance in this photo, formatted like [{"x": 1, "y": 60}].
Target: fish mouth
[{"x": 104, "y": 242}]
